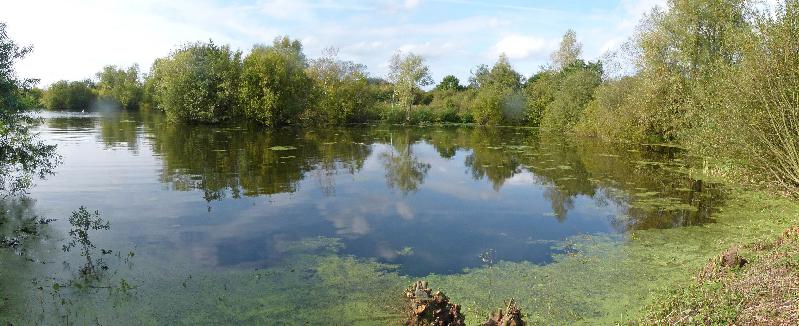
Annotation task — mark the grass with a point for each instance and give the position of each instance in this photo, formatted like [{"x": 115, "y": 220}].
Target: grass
[{"x": 765, "y": 291}]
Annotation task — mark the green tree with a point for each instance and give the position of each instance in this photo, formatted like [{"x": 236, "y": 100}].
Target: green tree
[
  {"x": 23, "y": 155},
  {"x": 682, "y": 53},
  {"x": 449, "y": 82},
  {"x": 274, "y": 87},
  {"x": 341, "y": 88},
  {"x": 121, "y": 86},
  {"x": 539, "y": 92},
  {"x": 498, "y": 93},
  {"x": 574, "y": 90},
  {"x": 198, "y": 82},
  {"x": 69, "y": 95},
  {"x": 408, "y": 73}
]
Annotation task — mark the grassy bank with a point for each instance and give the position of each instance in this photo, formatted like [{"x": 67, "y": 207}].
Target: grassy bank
[{"x": 756, "y": 283}]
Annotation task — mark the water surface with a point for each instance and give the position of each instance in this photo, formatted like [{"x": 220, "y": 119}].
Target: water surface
[{"x": 422, "y": 200}]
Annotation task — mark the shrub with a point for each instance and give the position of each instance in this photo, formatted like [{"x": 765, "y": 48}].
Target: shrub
[
  {"x": 274, "y": 87},
  {"x": 613, "y": 114},
  {"x": 198, "y": 82},
  {"x": 66, "y": 95},
  {"x": 341, "y": 90},
  {"x": 121, "y": 86},
  {"x": 574, "y": 89}
]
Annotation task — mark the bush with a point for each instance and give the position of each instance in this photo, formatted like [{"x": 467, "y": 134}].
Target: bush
[
  {"x": 121, "y": 86},
  {"x": 274, "y": 87},
  {"x": 487, "y": 106},
  {"x": 539, "y": 92},
  {"x": 341, "y": 90},
  {"x": 613, "y": 114},
  {"x": 65, "y": 95},
  {"x": 452, "y": 106},
  {"x": 759, "y": 123},
  {"x": 198, "y": 82},
  {"x": 574, "y": 89}
]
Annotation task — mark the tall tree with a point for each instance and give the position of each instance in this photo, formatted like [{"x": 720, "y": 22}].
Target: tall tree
[
  {"x": 408, "y": 73},
  {"x": 568, "y": 52}
]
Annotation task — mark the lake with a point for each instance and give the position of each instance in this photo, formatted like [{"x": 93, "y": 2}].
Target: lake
[{"x": 240, "y": 224}]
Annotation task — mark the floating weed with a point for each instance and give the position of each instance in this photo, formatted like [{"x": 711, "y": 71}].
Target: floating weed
[
  {"x": 647, "y": 194},
  {"x": 406, "y": 251},
  {"x": 282, "y": 148}
]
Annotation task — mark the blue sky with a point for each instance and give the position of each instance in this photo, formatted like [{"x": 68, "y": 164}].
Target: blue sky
[{"x": 74, "y": 39}]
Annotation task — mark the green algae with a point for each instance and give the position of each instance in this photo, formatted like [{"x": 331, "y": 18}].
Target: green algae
[{"x": 598, "y": 279}]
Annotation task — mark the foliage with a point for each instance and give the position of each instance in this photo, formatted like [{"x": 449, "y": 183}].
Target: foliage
[
  {"x": 539, "y": 92},
  {"x": 573, "y": 90},
  {"x": 121, "y": 86},
  {"x": 22, "y": 155},
  {"x": 449, "y": 82},
  {"x": 341, "y": 89},
  {"x": 274, "y": 87},
  {"x": 452, "y": 106},
  {"x": 498, "y": 89},
  {"x": 407, "y": 72},
  {"x": 612, "y": 115},
  {"x": 568, "y": 52},
  {"x": 198, "y": 82},
  {"x": 70, "y": 95},
  {"x": 757, "y": 120},
  {"x": 82, "y": 222}
]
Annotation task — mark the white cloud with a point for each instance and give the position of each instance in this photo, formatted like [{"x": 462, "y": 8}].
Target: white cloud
[
  {"x": 430, "y": 50},
  {"x": 287, "y": 9},
  {"x": 73, "y": 39},
  {"x": 522, "y": 47},
  {"x": 400, "y": 5},
  {"x": 410, "y": 4}
]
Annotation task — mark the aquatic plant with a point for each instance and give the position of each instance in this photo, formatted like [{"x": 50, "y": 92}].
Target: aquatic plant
[{"x": 82, "y": 222}]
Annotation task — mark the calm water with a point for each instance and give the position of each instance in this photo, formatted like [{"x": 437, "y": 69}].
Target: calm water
[
  {"x": 429, "y": 199},
  {"x": 426, "y": 199}
]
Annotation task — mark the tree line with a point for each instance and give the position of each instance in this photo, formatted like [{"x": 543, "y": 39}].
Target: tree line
[{"x": 719, "y": 77}]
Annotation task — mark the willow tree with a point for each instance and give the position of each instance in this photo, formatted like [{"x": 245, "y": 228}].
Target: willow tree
[{"x": 408, "y": 73}]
